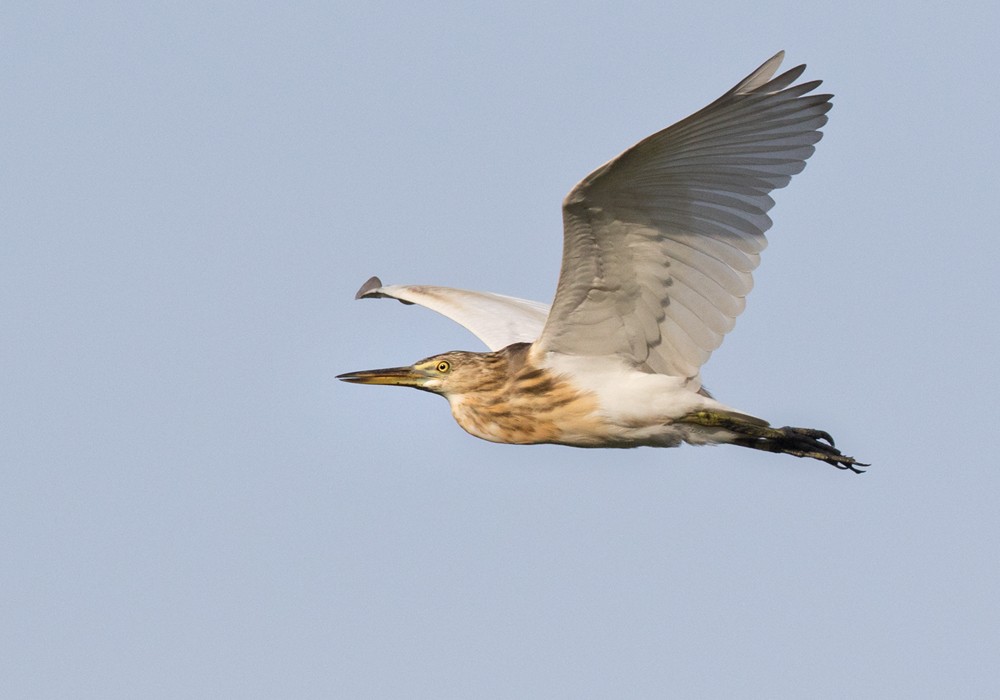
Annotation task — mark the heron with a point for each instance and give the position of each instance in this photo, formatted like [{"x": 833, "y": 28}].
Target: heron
[{"x": 659, "y": 247}]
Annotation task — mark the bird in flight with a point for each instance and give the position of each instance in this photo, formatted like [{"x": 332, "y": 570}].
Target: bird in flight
[{"x": 659, "y": 245}]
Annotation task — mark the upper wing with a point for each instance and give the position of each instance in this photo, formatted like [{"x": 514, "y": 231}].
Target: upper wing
[
  {"x": 659, "y": 243},
  {"x": 495, "y": 319}
]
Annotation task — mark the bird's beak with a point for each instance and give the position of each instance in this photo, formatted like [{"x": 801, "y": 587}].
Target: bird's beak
[{"x": 393, "y": 376}]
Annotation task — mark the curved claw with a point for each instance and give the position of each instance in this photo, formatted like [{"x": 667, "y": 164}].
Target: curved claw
[
  {"x": 851, "y": 465},
  {"x": 812, "y": 433}
]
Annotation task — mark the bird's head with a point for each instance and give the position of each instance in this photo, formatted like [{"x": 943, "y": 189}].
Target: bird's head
[{"x": 448, "y": 374}]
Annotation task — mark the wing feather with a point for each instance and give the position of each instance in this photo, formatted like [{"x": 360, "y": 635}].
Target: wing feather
[
  {"x": 495, "y": 319},
  {"x": 660, "y": 243}
]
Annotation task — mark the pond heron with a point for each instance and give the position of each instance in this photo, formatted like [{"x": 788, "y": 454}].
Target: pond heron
[{"x": 658, "y": 249}]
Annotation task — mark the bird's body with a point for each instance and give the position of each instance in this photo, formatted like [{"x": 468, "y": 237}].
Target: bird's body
[
  {"x": 659, "y": 245},
  {"x": 529, "y": 401}
]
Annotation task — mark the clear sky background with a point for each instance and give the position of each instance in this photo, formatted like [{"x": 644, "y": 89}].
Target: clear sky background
[{"x": 192, "y": 506}]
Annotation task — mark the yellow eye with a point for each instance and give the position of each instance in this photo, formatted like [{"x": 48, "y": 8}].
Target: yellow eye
[{"x": 443, "y": 366}]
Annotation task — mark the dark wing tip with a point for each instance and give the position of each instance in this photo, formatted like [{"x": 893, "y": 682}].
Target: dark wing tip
[{"x": 372, "y": 283}]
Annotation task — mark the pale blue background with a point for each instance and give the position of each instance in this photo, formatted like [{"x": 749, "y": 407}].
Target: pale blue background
[{"x": 192, "y": 506}]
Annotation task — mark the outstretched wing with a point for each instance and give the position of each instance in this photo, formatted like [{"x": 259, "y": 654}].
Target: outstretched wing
[
  {"x": 659, "y": 243},
  {"x": 495, "y": 319}
]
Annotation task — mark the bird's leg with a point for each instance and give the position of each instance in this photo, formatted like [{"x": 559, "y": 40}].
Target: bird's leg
[{"x": 759, "y": 435}]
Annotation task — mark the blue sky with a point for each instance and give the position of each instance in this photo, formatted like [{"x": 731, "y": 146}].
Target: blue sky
[{"x": 192, "y": 506}]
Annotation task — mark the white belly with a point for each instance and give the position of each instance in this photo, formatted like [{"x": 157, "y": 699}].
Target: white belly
[{"x": 636, "y": 408}]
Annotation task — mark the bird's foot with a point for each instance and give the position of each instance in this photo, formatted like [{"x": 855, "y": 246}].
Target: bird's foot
[
  {"x": 759, "y": 435},
  {"x": 808, "y": 442}
]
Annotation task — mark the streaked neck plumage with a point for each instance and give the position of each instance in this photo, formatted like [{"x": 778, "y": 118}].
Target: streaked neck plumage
[{"x": 518, "y": 402}]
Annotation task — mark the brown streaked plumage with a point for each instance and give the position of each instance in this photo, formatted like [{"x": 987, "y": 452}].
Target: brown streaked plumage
[
  {"x": 501, "y": 397},
  {"x": 527, "y": 406}
]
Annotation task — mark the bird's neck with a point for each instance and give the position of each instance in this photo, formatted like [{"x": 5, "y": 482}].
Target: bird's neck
[{"x": 525, "y": 404}]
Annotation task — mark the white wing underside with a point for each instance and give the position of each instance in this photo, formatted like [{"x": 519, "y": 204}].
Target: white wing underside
[
  {"x": 495, "y": 319},
  {"x": 659, "y": 243}
]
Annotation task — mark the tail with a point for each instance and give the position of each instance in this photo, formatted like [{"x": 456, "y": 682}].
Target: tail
[{"x": 759, "y": 435}]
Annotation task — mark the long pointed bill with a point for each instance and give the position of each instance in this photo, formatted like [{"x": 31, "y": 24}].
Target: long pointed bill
[{"x": 393, "y": 376}]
